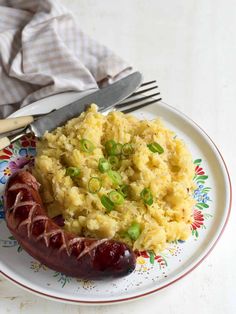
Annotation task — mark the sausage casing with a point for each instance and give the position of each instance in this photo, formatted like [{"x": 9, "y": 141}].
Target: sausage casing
[{"x": 44, "y": 240}]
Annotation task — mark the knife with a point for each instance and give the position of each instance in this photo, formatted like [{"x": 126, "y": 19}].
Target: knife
[
  {"x": 9, "y": 125},
  {"x": 104, "y": 98}
]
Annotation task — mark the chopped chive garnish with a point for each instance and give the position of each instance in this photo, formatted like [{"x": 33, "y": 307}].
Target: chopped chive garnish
[
  {"x": 124, "y": 190},
  {"x": 147, "y": 196},
  {"x": 134, "y": 231},
  {"x": 116, "y": 197},
  {"x": 109, "y": 146},
  {"x": 127, "y": 149},
  {"x": 103, "y": 165},
  {"x": 72, "y": 171},
  {"x": 114, "y": 162},
  {"x": 155, "y": 148},
  {"x": 151, "y": 257},
  {"x": 94, "y": 185},
  {"x": 86, "y": 146},
  {"x": 116, "y": 149},
  {"x": 115, "y": 176},
  {"x": 107, "y": 203}
]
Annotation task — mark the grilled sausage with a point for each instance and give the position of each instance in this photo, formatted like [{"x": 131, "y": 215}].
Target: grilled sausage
[{"x": 62, "y": 251}]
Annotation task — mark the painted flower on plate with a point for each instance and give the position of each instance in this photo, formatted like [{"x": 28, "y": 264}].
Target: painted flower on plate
[
  {"x": 199, "y": 170},
  {"x": 198, "y": 219}
]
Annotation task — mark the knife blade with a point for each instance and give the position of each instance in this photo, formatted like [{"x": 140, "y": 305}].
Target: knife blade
[{"x": 104, "y": 98}]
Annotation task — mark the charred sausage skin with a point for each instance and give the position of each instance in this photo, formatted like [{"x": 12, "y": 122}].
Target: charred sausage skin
[{"x": 44, "y": 240}]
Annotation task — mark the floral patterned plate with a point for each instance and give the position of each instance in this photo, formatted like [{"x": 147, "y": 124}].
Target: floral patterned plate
[{"x": 213, "y": 196}]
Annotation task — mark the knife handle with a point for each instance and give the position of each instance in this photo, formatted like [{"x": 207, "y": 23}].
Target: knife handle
[{"x": 14, "y": 123}]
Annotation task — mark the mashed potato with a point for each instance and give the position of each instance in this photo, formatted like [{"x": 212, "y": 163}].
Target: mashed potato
[{"x": 143, "y": 223}]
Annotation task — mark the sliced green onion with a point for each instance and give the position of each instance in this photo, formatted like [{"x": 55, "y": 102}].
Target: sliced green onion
[
  {"x": 116, "y": 149},
  {"x": 114, "y": 162},
  {"x": 86, "y": 146},
  {"x": 127, "y": 149},
  {"x": 124, "y": 190},
  {"x": 94, "y": 185},
  {"x": 109, "y": 146},
  {"x": 72, "y": 171},
  {"x": 155, "y": 148},
  {"x": 107, "y": 203},
  {"x": 116, "y": 197},
  {"x": 134, "y": 231},
  {"x": 151, "y": 257},
  {"x": 115, "y": 176},
  {"x": 103, "y": 165},
  {"x": 147, "y": 196}
]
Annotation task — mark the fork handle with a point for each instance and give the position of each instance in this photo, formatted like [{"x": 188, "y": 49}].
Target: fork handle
[
  {"x": 4, "y": 142},
  {"x": 14, "y": 123}
]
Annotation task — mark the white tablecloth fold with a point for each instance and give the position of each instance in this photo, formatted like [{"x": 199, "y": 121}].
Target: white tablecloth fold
[{"x": 43, "y": 52}]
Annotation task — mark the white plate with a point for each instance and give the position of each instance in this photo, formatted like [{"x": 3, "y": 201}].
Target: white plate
[{"x": 211, "y": 215}]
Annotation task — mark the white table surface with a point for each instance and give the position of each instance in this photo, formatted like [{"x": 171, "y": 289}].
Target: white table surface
[{"x": 189, "y": 46}]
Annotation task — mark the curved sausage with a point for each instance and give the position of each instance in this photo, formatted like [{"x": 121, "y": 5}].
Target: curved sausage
[{"x": 64, "y": 252}]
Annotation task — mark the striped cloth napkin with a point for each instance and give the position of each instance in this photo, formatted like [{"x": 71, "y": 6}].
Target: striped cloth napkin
[{"x": 44, "y": 52}]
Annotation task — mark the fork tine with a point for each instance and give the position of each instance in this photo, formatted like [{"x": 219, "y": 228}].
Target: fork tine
[
  {"x": 142, "y": 101},
  {"x": 141, "y": 106},
  {"x": 147, "y": 83},
  {"x": 142, "y": 91},
  {"x": 131, "y": 102}
]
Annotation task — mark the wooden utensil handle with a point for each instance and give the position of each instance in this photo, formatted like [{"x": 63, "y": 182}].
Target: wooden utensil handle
[
  {"x": 14, "y": 123},
  {"x": 4, "y": 142}
]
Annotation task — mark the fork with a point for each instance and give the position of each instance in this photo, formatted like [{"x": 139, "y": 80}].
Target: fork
[
  {"x": 138, "y": 101},
  {"x": 133, "y": 102}
]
